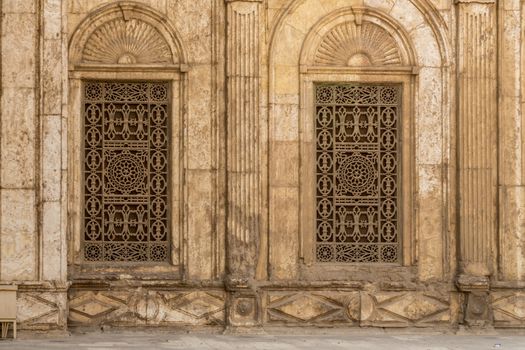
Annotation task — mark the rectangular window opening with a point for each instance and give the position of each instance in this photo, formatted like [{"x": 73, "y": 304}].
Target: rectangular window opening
[
  {"x": 358, "y": 172},
  {"x": 126, "y": 172}
]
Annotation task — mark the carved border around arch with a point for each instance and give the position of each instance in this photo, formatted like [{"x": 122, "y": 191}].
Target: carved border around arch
[{"x": 128, "y": 11}]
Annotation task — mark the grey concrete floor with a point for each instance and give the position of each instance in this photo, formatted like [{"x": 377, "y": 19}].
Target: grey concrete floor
[{"x": 314, "y": 339}]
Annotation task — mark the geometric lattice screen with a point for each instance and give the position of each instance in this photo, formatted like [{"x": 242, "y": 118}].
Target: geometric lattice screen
[
  {"x": 358, "y": 173},
  {"x": 126, "y": 172}
]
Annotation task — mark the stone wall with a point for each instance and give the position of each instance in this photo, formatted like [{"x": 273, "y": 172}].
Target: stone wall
[{"x": 243, "y": 74}]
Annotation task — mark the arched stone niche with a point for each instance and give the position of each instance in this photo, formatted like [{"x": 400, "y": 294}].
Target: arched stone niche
[
  {"x": 405, "y": 42},
  {"x": 126, "y": 33},
  {"x": 126, "y": 42}
]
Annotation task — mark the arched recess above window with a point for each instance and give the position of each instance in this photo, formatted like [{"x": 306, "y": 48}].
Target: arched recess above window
[
  {"x": 126, "y": 34},
  {"x": 357, "y": 38}
]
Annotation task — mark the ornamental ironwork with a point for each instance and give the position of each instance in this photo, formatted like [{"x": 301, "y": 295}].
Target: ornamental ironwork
[
  {"x": 357, "y": 173},
  {"x": 126, "y": 172}
]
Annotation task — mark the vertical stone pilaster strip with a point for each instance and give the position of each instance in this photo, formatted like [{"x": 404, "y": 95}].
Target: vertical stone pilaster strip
[
  {"x": 243, "y": 159},
  {"x": 477, "y": 121},
  {"x": 477, "y": 154},
  {"x": 242, "y": 138}
]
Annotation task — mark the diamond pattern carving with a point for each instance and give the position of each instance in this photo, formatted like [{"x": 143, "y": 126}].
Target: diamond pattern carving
[
  {"x": 313, "y": 307},
  {"x": 509, "y": 309},
  {"x": 404, "y": 309},
  {"x": 41, "y": 310},
  {"x": 146, "y": 307}
]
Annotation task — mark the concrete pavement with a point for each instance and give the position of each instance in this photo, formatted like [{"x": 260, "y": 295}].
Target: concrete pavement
[{"x": 308, "y": 340}]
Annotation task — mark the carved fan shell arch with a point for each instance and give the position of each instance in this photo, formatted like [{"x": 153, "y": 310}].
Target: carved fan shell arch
[
  {"x": 129, "y": 41},
  {"x": 352, "y": 44}
]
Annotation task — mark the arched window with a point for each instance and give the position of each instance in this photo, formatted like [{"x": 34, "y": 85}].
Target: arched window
[
  {"x": 357, "y": 77},
  {"x": 127, "y": 92}
]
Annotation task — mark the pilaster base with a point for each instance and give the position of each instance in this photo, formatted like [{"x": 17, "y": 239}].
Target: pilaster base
[{"x": 476, "y": 309}]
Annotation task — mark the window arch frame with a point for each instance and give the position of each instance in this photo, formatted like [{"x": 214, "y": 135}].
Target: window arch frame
[
  {"x": 175, "y": 74},
  {"x": 311, "y": 75}
]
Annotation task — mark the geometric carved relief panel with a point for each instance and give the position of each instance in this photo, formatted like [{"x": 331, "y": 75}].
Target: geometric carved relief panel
[
  {"x": 41, "y": 310},
  {"x": 402, "y": 309},
  {"x": 357, "y": 308},
  {"x": 146, "y": 307},
  {"x": 126, "y": 171},
  {"x": 357, "y": 173},
  {"x": 328, "y": 308},
  {"x": 508, "y": 309}
]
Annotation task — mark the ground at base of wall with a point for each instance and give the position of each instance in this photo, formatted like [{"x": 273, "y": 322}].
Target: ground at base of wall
[{"x": 297, "y": 339}]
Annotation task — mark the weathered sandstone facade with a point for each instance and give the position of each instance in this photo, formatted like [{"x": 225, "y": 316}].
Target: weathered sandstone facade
[{"x": 259, "y": 163}]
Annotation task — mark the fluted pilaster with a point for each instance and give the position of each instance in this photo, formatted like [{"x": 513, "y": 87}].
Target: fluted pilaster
[
  {"x": 477, "y": 153},
  {"x": 477, "y": 135},
  {"x": 243, "y": 153}
]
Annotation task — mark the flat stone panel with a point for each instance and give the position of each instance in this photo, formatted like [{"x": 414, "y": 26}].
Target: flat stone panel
[
  {"x": 285, "y": 122},
  {"x": 512, "y": 232},
  {"x": 426, "y": 47},
  {"x": 51, "y": 157},
  {"x": 198, "y": 214},
  {"x": 53, "y": 243},
  {"x": 429, "y": 119},
  {"x": 52, "y": 76},
  {"x": 284, "y": 164},
  {"x": 199, "y": 121},
  {"x": 19, "y": 38},
  {"x": 53, "y": 19},
  {"x": 18, "y": 6},
  {"x": 284, "y": 232},
  {"x": 407, "y": 14},
  {"x": 430, "y": 222},
  {"x": 382, "y": 5},
  {"x": 18, "y": 236},
  {"x": 18, "y": 138},
  {"x": 194, "y": 23}
]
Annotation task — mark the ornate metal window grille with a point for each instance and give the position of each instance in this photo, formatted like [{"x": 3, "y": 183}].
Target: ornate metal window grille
[
  {"x": 126, "y": 172},
  {"x": 357, "y": 173}
]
